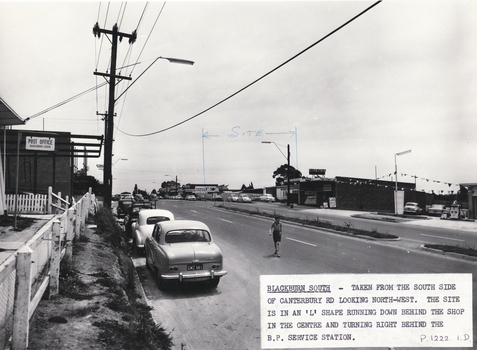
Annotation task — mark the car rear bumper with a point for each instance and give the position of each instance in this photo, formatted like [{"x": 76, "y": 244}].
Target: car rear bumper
[{"x": 196, "y": 275}]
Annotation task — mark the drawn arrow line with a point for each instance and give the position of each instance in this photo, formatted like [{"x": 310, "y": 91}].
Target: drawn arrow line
[
  {"x": 206, "y": 135},
  {"x": 292, "y": 133}
]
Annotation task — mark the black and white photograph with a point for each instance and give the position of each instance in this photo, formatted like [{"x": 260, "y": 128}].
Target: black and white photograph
[{"x": 223, "y": 175}]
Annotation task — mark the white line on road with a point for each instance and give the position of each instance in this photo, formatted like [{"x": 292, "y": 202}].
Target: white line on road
[
  {"x": 296, "y": 240},
  {"x": 454, "y": 239},
  {"x": 194, "y": 211},
  {"x": 231, "y": 222}
]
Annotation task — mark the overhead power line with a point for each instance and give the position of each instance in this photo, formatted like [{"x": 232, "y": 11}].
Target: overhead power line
[
  {"x": 65, "y": 101},
  {"x": 255, "y": 81}
]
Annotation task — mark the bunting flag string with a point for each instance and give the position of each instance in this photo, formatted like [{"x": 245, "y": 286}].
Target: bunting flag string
[
  {"x": 356, "y": 182},
  {"x": 422, "y": 178}
]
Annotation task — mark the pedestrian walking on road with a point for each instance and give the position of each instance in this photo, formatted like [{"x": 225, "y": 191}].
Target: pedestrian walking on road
[{"x": 276, "y": 231}]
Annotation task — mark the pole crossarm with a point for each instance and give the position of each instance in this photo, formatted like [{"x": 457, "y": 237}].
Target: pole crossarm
[
  {"x": 109, "y": 75},
  {"x": 97, "y": 32}
]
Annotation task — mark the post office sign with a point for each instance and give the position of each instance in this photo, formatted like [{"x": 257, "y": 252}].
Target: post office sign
[{"x": 40, "y": 143}]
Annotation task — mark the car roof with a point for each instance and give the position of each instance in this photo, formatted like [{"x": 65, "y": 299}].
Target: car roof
[
  {"x": 183, "y": 224},
  {"x": 144, "y": 214},
  {"x": 154, "y": 212}
]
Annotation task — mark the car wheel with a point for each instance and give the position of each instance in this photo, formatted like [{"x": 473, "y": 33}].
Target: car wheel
[
  {"x": 214, "y": 282},
  {"x": 161, "y": 282},
  {"x": 147, "y": 263}
]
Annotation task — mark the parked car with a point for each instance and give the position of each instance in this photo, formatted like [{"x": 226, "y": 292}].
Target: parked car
[
  {"x": 243, "y": 198},
  {"x": 183, "y": 251},
  {"x": 412, "y": 208},
  {"x": 436, "y": 209},
  {"x": 191, "y": 197},
  {"x": 143, "y": 226},
  {"x": 232, "y": 198},
  {"x": 132, "y": 215},
  {"x": 125, "y": 201},
  {"x": 254, "y": 197},
  {"x": 217, "y": 197},
  {"x": 267, "y": 198}
]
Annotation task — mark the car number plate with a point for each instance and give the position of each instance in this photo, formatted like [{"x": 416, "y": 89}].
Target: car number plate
[{"x": 194, "y": 267}]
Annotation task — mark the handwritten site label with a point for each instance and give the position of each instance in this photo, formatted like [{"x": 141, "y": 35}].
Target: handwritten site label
[{"x": 366, "y": 310}]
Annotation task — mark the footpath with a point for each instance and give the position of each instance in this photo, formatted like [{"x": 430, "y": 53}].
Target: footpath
[
  {"x": 428, "y": 221},
  {"x": 11, "y": 240}
]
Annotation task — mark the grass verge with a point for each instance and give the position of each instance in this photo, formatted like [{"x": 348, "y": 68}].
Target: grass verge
[
  {"x": 347, "y": 227},
  {"x": 138, "y": 331},
  {"x": 113, "y": 287},
  {"x": 453, "y": 249}
]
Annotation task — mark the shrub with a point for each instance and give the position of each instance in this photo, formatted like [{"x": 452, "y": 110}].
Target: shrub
[{"x": 107, "y": 225}]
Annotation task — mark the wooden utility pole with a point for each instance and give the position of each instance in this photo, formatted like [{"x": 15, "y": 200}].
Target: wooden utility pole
[{"x": 109, "y": 119}]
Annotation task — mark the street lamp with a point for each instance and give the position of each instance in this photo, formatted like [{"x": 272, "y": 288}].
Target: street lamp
[
  {"x": 177, "y": 60},
  {"x": 395, "y": 169},
  {"x": 118, "y": 161},
  {"x": 287, "y": 157},
  {"x": 109, "y": 122}
]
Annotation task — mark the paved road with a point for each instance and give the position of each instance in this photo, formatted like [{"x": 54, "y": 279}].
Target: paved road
[{"x": 229, "y": 317}]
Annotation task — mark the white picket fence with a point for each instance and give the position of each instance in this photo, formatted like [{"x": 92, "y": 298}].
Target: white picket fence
[
  {"x": 36, "y": 203},
  {"x": 32, "y": 272}
]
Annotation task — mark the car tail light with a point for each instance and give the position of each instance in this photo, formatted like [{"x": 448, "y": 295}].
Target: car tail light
[
  {"x": 173, "y": 269},
  {"x": 216, "y": 267}
]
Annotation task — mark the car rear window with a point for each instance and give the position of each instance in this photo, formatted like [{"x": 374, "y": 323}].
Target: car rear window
[
  {"x": 180, "y": 236},
  {"x": 153, "y": 219}
]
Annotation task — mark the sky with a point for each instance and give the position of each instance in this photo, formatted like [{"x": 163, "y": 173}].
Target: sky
[{"x": 402, "y": 76}]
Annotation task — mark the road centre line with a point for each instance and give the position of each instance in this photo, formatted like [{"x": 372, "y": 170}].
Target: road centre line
[
  {"x": 454, "y": 239},
  {"x": 231, "y": 222},
  {"x": 296, "y": 240}
]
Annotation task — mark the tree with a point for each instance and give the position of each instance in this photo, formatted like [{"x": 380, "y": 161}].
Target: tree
[
  {"x": 135, "y": 190},
  {"x": 82, "y": 183},
  {"x": 249, "y": 187},
  {"x": 280, "y": 175}
]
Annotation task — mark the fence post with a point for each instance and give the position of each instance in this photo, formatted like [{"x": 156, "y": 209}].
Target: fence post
[
  {"x": 70, "y": 217},
  {"x": 21, "y": 317},
  {"x": 92, "y": 210},
  {"x": 88, "y": 202},
  {"x": 55, "y": 258},
  {"x": 78, "y": 219},
  {"x": 49, "y": 200},
  {"x": 84, "y": 208}
]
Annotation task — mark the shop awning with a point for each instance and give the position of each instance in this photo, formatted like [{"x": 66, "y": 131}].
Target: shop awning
[{"x": 8, "y": 115}]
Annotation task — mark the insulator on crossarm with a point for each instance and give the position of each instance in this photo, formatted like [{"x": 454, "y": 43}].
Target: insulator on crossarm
[
  {"x": 96, "y": 30},
  {"x": 133, "y": 37}
]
